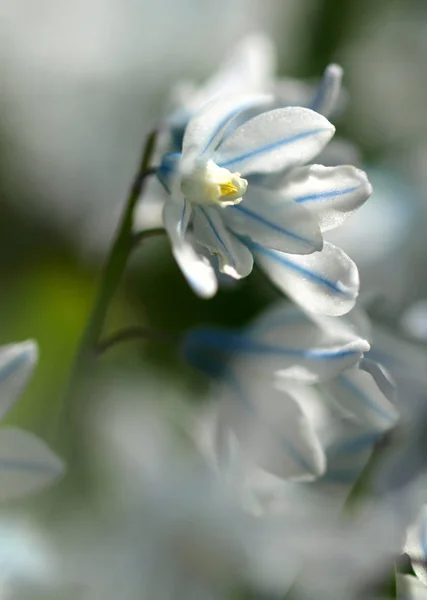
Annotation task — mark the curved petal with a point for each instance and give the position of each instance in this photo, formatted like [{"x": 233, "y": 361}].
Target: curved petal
[
  {"x": 275, "y": 140},
  {"x": 26, "y": 463},
  {"x": 275, "y": 222},
  {"x": 284, "y": 320},
  {"x": 328, "y": 90},
  {"x": 325, "y": 282},
  {"x": 17, "y": 362},
  {"x": 196, "y": 268},
  {"x": 234, "y": 257},
  {"x": 357, "y": 392},
  {"x": 206, "y": 127},
  {"x": 331, "y": 194},
  {"x": 256, "y": 359},
  {"x": 272, "y": 429}
]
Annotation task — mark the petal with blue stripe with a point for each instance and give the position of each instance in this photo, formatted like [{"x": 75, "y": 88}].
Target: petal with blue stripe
[
  {"x": 325, "y": 282},
  {"x": 207, "y": 126},
  {"x": 272, "y": 429},
  {"x": 26, "y": 463},
  {"x": 288, "y": 358},
  {"x": 275, "y": 222},
  {"x": 275, "y": 140},
  {"x": 331, "y": 194},
  {"x": 328, "y": 90},
  {"x": 357, "y": 392},
  {"x": 17, "y": 362},
  {"x": 196, "y": 268},
  {"x": 234, "y": 257}
]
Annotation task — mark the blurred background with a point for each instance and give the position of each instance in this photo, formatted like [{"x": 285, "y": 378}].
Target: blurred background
[{"x": 82, "y": 83}]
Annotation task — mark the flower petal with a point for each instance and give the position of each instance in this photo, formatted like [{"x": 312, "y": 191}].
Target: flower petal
[
  {"x": 272, "y": 429},
  {"x": 234, "y": 257},
  {"x": 26, "y": 463},
  {"x": 206, "y": 127},
  {"x": 17, "y": 362},
  {"x": 196, "y": 268},
  {"x": 331, "y": 194},
  {"x": 328, "y": 90},
  {"x": 275, "y": 222},
  {"x": 325, "y": 282},
  {"x": 357, "y": 392},
  {"x": 275, "y": 140},
  {"x": 288, "y": 358}
]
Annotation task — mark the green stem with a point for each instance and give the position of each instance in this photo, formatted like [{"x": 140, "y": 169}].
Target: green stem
[
  {"x": 110, "y": 279},
  {"x": 116, "y": 261}
]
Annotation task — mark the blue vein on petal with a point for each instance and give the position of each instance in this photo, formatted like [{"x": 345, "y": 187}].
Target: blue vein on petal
[
  {"x": 327, "y": 194},
  {"x": 263, "y": 221},
  {"x": 287, "y": 445},
  {"x": 297, "y": 268},
  {"x": 217, "y": 339},
  {"x": 11, "y": 366},
  {"x": 218, "y": 237},
  {"x": 269, "y": 147},
  {"x": 34, "y": 467},
  {"x": 226, "y": 121},
  {"x": 351, "y": 387}
]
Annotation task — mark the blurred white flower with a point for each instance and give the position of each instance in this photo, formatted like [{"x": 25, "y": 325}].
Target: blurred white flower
[
  {"x": 26, "y": 463},
  {"x": 264, "y": 401}
]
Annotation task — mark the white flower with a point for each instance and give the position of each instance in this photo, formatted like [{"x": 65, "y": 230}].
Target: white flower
[
  {"x": 264, "y": 401},
  {"x": 243, "y": 195},
  {"x": 26, "y": 463}
]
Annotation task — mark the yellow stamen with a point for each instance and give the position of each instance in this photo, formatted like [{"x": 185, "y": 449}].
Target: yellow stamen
[{"x": 227, "y": 189}]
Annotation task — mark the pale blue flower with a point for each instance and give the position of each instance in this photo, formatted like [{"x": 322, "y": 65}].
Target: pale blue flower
[
  {"x": 244, "y": 195},
  {"x": 26, "y": 463}
]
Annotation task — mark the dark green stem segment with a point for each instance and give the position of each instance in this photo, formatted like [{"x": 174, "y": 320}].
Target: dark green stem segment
[{"x": 110, "y": 279}]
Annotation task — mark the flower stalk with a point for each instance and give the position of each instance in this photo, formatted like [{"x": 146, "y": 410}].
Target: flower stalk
[{"x": 110, "y": 279}]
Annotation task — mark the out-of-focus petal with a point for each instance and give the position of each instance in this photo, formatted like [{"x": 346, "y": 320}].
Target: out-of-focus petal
[
  {"x": 272, "y": 429},
  {"x": 275, "y": 140},
  {"x": 287, "y": 359},
  {"x": 26, "y": 463},
  {"x": 17, "y": 362},
  {"x": 274, "y": 222},
  {"x": 357, "y": 392},
  {"x": 324, "y": 282},
  {"x": 328, "y": 90},
  {"x": 196, "y": 268},
  {"x": 331, "y": 193},
  {"x": 209, "y": 230}
]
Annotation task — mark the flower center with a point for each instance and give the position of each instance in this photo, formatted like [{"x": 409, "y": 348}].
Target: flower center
[{"x": 209, "y": 184}]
